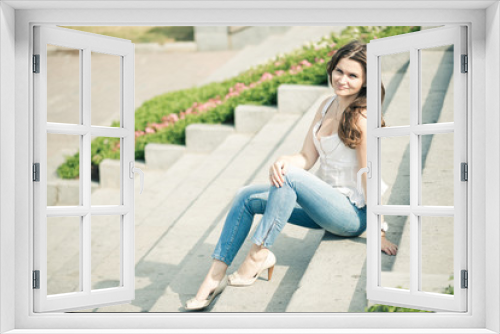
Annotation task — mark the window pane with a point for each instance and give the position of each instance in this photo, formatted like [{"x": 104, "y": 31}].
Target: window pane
[
  {"x": 63, "y": 85},
  {"x": 106, "y": 72},
  {"x": 106, "y": 251},
  {"x": 437, "y": 169},
  {"x": 63, "y": 255},
  {"x": 106, "y": 170},
  {"x": 437, "y": 254},
  {"x": 63, "y": 166},
  {"x": 437, "y": 84},
  {"x": 395, "y": 76},
  {"x": 396, "y": 269},
  {"x": 395, "y": 170}
]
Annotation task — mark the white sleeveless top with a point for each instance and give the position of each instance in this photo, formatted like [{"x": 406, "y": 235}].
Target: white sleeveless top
[{"x": 338, "y": 163}]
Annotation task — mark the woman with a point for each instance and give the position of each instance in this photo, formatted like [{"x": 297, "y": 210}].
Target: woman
[{"x": 328, "y": 200}]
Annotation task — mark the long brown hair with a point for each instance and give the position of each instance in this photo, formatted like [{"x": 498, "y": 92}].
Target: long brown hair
[{"x": 348, "y": 131}]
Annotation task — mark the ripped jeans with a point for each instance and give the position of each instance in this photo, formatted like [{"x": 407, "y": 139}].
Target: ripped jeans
[{"x": 303, "y": 200}]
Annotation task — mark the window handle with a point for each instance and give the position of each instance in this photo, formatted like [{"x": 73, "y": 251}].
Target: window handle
[
  {"x": 368, "y": 171},
  {"x": 132, "y": 170}
]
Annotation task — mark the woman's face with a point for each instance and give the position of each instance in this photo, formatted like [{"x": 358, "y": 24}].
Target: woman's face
[{"x": 348, "y": 77}]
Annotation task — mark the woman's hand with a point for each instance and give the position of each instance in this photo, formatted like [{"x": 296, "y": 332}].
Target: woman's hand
[
  {"x": 277, "y": 172},
  {"x": 388, "y": 247}
]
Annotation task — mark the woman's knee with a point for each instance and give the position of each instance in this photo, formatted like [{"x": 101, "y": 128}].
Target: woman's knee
[
  {"x": 245, "y": 192},
  {"x": 293, "y": 174}
]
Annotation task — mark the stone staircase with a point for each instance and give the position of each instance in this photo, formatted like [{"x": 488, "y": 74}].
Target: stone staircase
[{"x": 190, "y": 199}]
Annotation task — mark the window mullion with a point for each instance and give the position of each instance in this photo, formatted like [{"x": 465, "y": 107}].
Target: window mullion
[
  {"x": 414, "y": 169},
  {"x": 85, "y": 176}
]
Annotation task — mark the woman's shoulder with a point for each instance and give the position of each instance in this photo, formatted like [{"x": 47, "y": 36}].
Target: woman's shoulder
[
  {"x": 324, "y": 105},
  {"x": 361, "y": 120}
]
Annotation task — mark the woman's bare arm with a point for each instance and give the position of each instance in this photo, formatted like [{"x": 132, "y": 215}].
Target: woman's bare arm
[{"x": 305, "y": 159}]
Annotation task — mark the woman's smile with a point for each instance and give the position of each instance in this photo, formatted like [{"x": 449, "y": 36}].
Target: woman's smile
[{"x": 348, "y": 77}]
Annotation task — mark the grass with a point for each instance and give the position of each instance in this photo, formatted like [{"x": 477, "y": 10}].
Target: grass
[{"x": 159, "y": 35}]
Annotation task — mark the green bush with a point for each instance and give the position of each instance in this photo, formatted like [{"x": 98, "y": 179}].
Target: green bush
[
  {"x": 70, "y": 169},
  {"x": 265, "y": 93},
  {"x": 388, "y": 308}
]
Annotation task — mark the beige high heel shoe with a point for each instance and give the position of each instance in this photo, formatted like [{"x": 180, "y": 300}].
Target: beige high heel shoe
[
  {"x": 194, "y": 304},
  {"x": 236, "y": 280}
]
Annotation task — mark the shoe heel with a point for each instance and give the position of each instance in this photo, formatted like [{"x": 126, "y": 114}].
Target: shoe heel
[{"x": 270, "y": 273}]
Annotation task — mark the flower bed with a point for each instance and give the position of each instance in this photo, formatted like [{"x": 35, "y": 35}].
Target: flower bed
[{"x": 164, "y": 118}]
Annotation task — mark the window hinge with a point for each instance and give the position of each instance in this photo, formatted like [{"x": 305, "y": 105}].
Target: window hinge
[
  {"x": 465, "y": 172},
  {"x": 36, "y": 63},
  {"x": 465, "y": 64},
  {"x": 36, "y": 279},
  {"x": 465, "y": 279},
  {"x": 36, "y": 172}
]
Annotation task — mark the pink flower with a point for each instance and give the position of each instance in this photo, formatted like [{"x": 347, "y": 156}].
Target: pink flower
[
  {"x": 139, "y": 133},
  {"x": 319, "y": 60},
  {"x": 278, "y": 63},
  {"x": 173, "y": 118},
  {"x": 279, "y": 73},
  {"x": 150, "y": 130},
  {"x": 333, "y": 45},
  {"x": 162, "y": 125},
  {"x": 305, "y": 63},
  {"x": 253, "y": 84},
  {"x": 266, "y": 76}
]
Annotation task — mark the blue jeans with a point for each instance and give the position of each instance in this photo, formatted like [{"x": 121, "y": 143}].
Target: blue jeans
[{"x": 303, "y": 200}]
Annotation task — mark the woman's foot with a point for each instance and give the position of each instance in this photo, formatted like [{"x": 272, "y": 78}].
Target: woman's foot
[
  {"x": 253, "y": 262},
  {"x": 207, "y": 287},
  {"x": 195, "y": 304},
  {"x": 214, "y": 277},
  {"x": 258, "y": 260}
]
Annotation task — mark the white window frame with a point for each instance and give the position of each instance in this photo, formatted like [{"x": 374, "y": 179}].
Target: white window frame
[
  {"x": 86, "y": 43},
  {"x": 484, "y": 103},
  {"x": 414, "y": 44}
]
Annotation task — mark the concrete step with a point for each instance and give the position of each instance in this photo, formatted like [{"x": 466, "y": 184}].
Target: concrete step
[
  {"x": 297, "y": 99},
  {"x": 250, "y": 118},
  {"x": 334, "y": 271},
  {"x": 206, "y": 137},
  {"x": 162, "y": 156}
]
